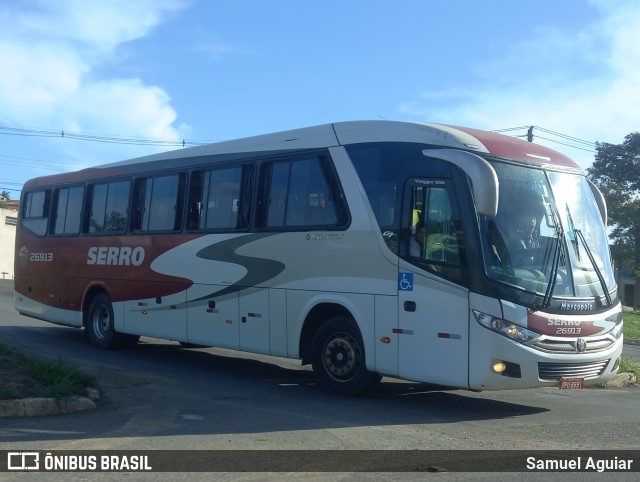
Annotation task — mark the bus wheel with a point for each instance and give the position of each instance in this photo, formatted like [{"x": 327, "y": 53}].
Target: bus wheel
[
  {"x": 338, "y": 358},
  {"x": 100, "y": 324}
]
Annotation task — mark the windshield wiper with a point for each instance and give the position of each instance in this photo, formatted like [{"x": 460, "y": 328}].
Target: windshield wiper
[
  {"x": 558, "y": 255},
  {"x": 587, "y": 250},
  {"x": 579, "y": 237},
  {"x": 553, "y": 220},
  {"x": 572, "y": 233}
]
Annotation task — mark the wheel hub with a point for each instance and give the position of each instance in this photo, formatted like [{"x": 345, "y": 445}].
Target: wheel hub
[{"x": 341, "y": 357}]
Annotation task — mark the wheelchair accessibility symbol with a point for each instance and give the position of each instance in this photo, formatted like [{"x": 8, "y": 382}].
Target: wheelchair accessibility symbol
[{"x": 405, "y": 281}]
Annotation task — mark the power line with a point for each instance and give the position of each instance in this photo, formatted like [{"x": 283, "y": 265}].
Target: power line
[
  {"x": 566, "y": 144},
  {"x": 5, "y": 129},
  {"x": 140, "y": 141},
  {"x": 565, "y": 140},
  {"x": 41, "y": 166}
]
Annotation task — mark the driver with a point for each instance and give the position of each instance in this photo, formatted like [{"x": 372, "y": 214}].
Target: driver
[{"x": 525, "y": 234}]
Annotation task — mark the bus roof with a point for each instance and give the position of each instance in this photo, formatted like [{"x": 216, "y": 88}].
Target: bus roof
[{"x": 356, "y": 132}]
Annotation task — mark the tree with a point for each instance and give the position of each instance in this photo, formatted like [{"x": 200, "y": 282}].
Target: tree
[{"x": 616, "y": 172}]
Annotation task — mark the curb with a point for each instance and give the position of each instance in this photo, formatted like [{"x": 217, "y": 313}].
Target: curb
[
  {"x": 631, "y": 341},
  {"x": 30, "y": 407}
]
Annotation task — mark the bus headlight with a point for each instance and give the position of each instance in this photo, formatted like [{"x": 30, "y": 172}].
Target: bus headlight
[
  {"x": 617, "y": 330},
  {"x": 505, "y": 328}
]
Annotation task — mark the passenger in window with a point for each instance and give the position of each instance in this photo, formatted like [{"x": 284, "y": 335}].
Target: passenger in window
[{"x": 416, "y": 245}]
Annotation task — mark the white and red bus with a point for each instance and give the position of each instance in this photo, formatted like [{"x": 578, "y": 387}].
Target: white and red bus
[{"x": 427, "y": 252}]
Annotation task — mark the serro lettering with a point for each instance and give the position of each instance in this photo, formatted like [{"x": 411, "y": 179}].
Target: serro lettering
[
  {"x": 115, "y": 256},
  {"x": 554, "y": 322}
]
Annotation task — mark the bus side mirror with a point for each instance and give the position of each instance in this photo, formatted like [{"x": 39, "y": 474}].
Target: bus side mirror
[
  {"x": 600, "y": 202},
  {"x": 484, "y": 180}
]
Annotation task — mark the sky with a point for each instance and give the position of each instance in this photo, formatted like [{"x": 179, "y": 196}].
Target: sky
[{"x": 81, "y": 80}]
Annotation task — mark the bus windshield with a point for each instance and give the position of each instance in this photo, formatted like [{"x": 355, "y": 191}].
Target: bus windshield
[{"x": 547, "y": 237}]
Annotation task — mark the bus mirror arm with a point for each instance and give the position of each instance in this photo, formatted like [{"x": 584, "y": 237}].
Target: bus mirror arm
[{"x": 484, "y": 180}]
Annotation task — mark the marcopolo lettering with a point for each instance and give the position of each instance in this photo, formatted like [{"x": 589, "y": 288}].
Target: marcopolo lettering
[
  {"x": 564, "y": 306},
  {"x": 115, "y": 256}
]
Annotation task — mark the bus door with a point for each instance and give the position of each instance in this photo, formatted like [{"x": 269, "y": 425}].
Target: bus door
[{"x": 433, "y": 328}]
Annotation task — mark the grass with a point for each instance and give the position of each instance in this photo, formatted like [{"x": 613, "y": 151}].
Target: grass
[
  {"x": 631, "y": 330},
  {"x": 630, "y": 366},
  {"x": 631, "y": 327},
  {"x": 22, "y": 376}
]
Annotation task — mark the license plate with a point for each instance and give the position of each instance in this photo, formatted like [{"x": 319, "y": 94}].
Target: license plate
[{"x": 571, "y": 383}]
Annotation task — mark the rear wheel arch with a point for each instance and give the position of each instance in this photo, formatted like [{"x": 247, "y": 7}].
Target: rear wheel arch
[{"x": 99, "y": 322}]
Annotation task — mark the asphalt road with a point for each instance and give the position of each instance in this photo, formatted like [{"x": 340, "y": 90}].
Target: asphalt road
[{"x": 159, "y": 396}]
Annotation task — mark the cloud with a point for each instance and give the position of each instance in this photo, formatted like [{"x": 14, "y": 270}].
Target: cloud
[
  {"x": 51, "y": 52},
  {"x": 96, "y": 25},
  {"x": 581, "y": 83}
]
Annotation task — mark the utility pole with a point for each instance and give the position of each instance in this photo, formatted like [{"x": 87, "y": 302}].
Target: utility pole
[{"x": 530, "y": 134}]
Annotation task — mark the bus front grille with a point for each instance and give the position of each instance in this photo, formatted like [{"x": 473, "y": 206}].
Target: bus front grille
[
  {"x": 556, "y": 371},
  {"x": 569, "y": 346}
]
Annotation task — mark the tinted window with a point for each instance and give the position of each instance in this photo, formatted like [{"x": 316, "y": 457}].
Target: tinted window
[
  {"x": 298, "y": 193},
  {"x": 67, "y": 210},
  {"x": 158, "y": 203},
  {"x": 436, "y": 241},
  {"x": 215, "y": 200},
  {"x": 108, "y": 207},
  {"x": 35, "y": 212},
  {"x": 384, "y": 168}
]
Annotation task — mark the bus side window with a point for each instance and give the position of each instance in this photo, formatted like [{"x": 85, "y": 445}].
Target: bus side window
[
  {"x": 157, "y": 203},
  {"x": 298, "y": 193},
  {"x": 215, "y": 198},
  {"x": 108, "y": 207},
  {"x": 67, "y": 210},
  {"x": 35, "y": 213},
  {"x": 223, "y": 198}
]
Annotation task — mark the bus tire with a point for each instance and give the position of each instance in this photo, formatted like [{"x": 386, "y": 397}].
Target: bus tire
[
  {"x": 100, "y": 327},
  {"x": 338, "y": 358}
]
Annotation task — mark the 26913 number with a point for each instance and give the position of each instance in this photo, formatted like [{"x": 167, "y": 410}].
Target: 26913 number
[
  {"x": 41, "y": 257},
  {"x": 568, "y": 331}
]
